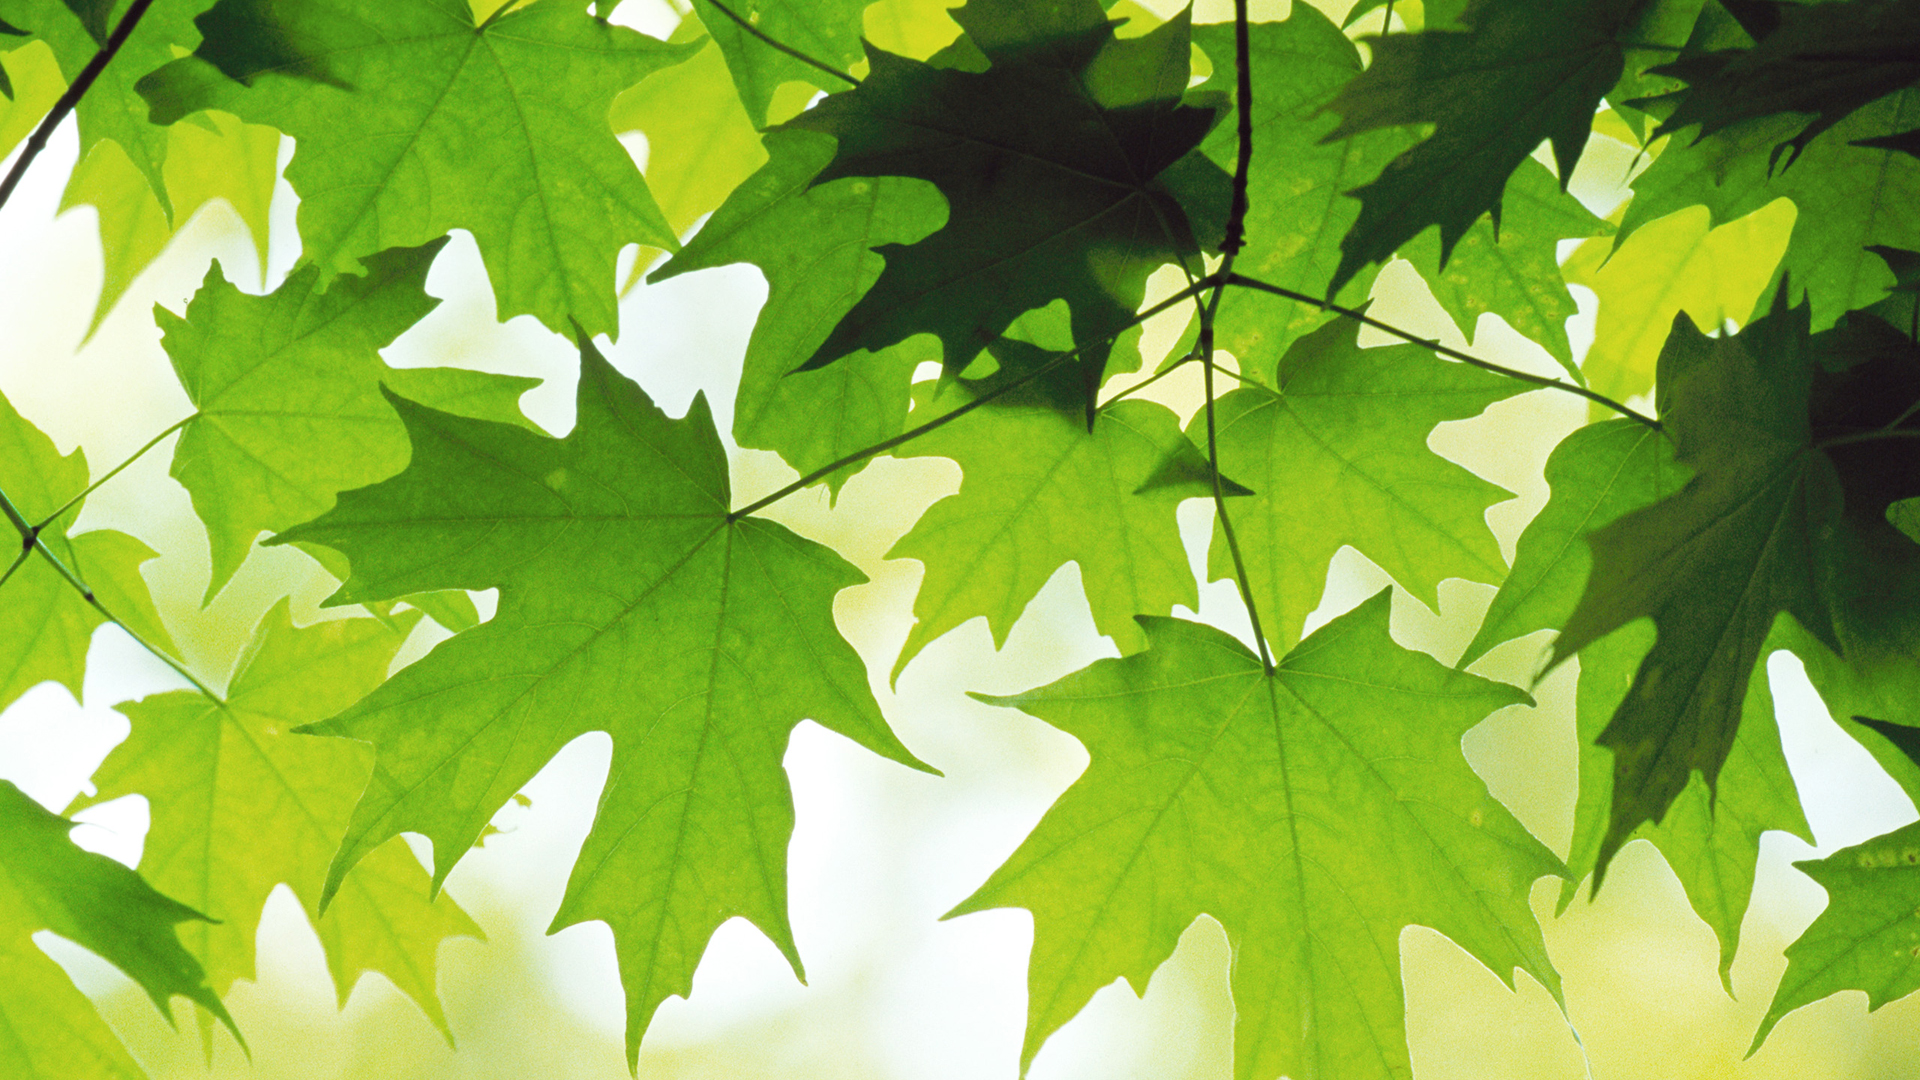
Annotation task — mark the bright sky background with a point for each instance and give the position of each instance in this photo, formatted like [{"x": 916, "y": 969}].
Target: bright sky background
[{"x": 880, "y": 853}]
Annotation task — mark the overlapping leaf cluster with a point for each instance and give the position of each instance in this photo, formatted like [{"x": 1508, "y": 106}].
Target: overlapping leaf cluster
[{"x": 998, "y": 204}]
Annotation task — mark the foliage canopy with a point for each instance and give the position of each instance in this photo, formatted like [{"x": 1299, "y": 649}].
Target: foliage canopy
[{"x": 1011, "y": 204}]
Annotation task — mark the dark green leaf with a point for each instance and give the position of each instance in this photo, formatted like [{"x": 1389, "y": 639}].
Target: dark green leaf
[{"x": 1048, "y": 162}]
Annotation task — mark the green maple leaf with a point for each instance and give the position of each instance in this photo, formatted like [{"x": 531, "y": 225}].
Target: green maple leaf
[
  {"x": 1337, "y": 453},
  {"x": 410, "y": 121},
  {"x": 827, "y": 30},
  {"x": 1527, "y": 71},
  {"x": 1709, "y": 836},
  {"x": 1052, "y": 163},
  {"x": 235, "y": 162},
  {"x": 1297, "y": 187},
  {"x": 1678, "y": 263},
  {"x": 36, "y": 85},
  {"x": 1513, "y": 271},
  {"x": 112, "y": 108},
  {"x": 700, "y": 145},
  {"x": 813, "y": 242},
  {"x": 630, "y": 602},
  {"x": 1066, "y": 495},
  {"x": 1868, "y": 938},
  {"x": 49, "y": 883},
  {"x": 1314, "y": 811},
  {"x": 239, "y": 805},
  {"x": 1828, "y": 60},
  {"x": 1594, "y": 476},
  {"x": 1712, "y": 565},
  {"x": 46, "y": 626},
  {"x": 286, "y": 393},
  {"x": 1849, "y": 197}
]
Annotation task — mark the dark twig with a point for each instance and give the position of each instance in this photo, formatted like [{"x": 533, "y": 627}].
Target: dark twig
[
  {"x": 1465, "y": 358},
  {"x": 783, "y": 46},
  {"x": 904, "y": 437},
  {"x": 1233, "y": 240},
  {"x": 37, "y": 141}
]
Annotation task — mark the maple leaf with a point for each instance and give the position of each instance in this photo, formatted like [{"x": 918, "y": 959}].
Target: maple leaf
[
  {"x": 1314, "y": 811},
  {"x": 827, "y": 30},
  {"x": 1785, "y": 513},
  {"x": 1527, "y": 71},
  {"x": 49, "y": 883},
  {"x": 630, "y": 602},
  {"x": 113, "y": 109},
  {"x": 1327, "y": 428},
  {"x": 1051, "y": 161},
  {"x": 287, "y": 401},
  {"x": 1297, "y": 186},
  {"x": 700, "y": 145},
  {"x": 813, "y": 242},
  {"x": 1709, "y": 836},
  {"x": 1865, "y": 939},
  {"x": 239, "y": 805},
  {"x": 408, "y": 118},
  {"x": 1512, "y": 271},
  {"x": 1848, "y": 197},
  {"x": 45, "y": 624},
  {"x": 1069, "y": 495},
  {"x": 234, "y": 162},
  {"x": 1678, "y": 263},
  {"x": 1828, "y": 61}
]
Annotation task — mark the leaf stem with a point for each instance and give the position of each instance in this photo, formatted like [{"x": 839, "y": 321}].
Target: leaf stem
[
  {"x": 15, "y": 564},
  {"x": 1231, "y": 244},
  {"x": 942, "y": 420},
  {"x": 30, "y": 541},
  {"x": 1444, "y": 350},
  {"x": 113, "y": 472},
  {"x": 783, "y": 46},
  {"x": 1867, "y": 436},
  {"x": 37, "y": 141}
]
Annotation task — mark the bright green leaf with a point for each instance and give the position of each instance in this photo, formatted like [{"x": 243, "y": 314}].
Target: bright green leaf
[
  {"x": 629, "y": 603},
  {"x": 1848, "y": 197},
  {"x": 1675, "y": 264},
  {"x": 45, "y": 625},
  {"x": 827, "y": 30},
  {"x": 286, "y": 393},
  {"x": 1314, "y": 811},
  {"x": 1067, "y": 495},
  {"x": 1338, "y": 456},
  {"x": 239, "y": 805},
  {"x": 814, "y": 244},
  {"x": 419, "y": 123},
  {"x": 49, "y": 883},
  {"x": 1868, "y": 938},
  {"x": 1512, "y": 271}
]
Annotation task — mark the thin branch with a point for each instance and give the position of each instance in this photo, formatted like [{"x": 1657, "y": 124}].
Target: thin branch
[
  {"x": 38, "y": 140},
  {"x": 30, "y": 541},
  {"x": 783, "y": 46},
  {"x": 1235, "y": 238},
  {"x": 15, "y": 564},
  {"x": 942, "y": 420},
  {"x": 113, "y": 472},
  {"x": 1867, "y": 436},
  {"x": 1444, "y": 350}
]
